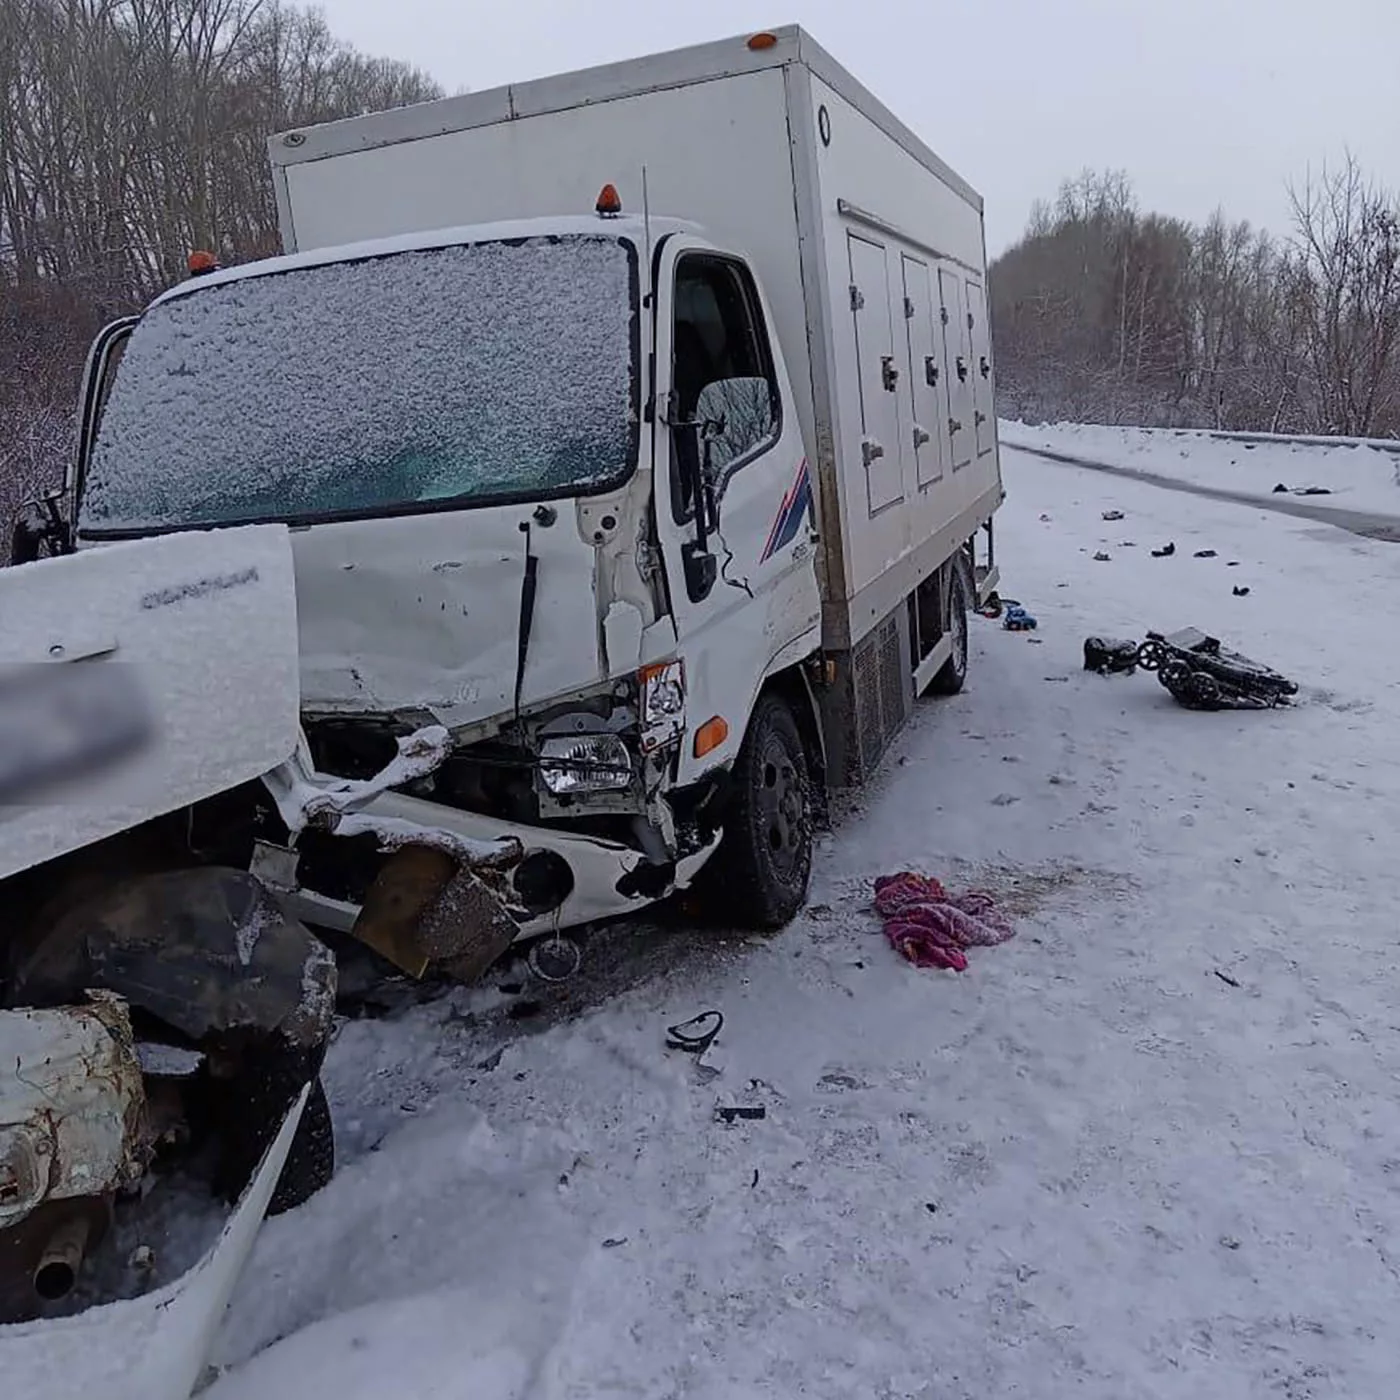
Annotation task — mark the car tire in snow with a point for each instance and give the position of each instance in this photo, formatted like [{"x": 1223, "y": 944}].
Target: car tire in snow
[
  {"x": 761, "y": 871},
  {"x": 953, "y": 674},
  {"x": 251, "y": 1111}
]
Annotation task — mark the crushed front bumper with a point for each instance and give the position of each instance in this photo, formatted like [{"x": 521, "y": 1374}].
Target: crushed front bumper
[{"x": 542, "y": 879}]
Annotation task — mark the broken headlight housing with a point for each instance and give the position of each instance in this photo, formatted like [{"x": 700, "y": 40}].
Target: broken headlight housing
[
  {"x": 583, "y": 763},
  {"x": 662, "y": 705}
]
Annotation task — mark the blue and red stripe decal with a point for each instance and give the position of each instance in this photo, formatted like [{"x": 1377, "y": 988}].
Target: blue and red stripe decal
[{"x": 793, "y": 511}]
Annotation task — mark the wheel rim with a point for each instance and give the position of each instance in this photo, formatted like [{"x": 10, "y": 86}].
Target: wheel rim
[
  {"x": 959, "y": 632},
  {"x": 782, "y": 810}
]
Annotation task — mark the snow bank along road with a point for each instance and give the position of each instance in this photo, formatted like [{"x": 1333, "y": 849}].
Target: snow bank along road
[
  {"x": 1362, "y": 483},
  {"x": 1149, "y": 1148}
]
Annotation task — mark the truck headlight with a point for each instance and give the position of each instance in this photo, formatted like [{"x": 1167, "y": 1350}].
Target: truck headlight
[
  {"x": 585, "y": 763},
  {"x": 663, "y": 704}
]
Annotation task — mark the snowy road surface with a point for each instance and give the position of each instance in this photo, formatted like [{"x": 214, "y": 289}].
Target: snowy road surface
[{"x": 1149, "y": 1148}]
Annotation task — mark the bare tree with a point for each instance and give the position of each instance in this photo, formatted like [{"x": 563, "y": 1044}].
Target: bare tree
[
  {"x": 1105, "y": 314},
  {"x": 130, "y": 132},
  {"x": 1346, "y": 282}
]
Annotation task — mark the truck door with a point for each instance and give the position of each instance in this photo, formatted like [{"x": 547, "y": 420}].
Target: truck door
[
  {"x": 957, "y": 369},
  {"x": 981, "y": 356},
  {"x": 882, "y": 440},
  {"x": 739, "y": 561},
  {"x": 924, "y": 367}
]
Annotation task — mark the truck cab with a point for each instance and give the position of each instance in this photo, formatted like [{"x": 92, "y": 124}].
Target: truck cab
[{"x": 546, "y": 488}]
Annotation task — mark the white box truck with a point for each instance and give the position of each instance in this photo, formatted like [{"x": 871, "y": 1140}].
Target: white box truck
[{"x": 666, "y": 501}]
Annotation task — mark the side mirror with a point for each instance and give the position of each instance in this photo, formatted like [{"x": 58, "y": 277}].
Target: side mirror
[{"x": 41, "y": 529}]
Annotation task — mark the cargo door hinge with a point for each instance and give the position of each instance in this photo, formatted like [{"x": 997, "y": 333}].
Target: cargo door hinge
[{"x": 857, "y": 298}]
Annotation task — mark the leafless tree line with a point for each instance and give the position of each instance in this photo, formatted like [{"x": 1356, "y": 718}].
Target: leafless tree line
[
  {"x": 132, "y": 131},
  {"x": 1104, "y": 314}
]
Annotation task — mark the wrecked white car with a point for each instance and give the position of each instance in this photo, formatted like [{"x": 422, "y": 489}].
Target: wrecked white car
[{"x": 159, "y": 1005}]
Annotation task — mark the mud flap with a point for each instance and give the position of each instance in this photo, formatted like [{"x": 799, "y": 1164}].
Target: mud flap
[{"x": 151, "y": 1348}]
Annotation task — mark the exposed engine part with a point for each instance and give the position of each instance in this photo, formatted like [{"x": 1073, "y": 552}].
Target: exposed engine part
[
  {"x": 73, "y": 1136},
  {"x": 57, "y": 1271},
  {"x": 70, "y": 1105}
]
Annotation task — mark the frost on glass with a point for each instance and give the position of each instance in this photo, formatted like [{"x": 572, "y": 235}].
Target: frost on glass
[{"x": 467, "y": 372}]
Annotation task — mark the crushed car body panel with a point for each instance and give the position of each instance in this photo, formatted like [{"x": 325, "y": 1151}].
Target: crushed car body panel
[{"x": 140, "y": 678}]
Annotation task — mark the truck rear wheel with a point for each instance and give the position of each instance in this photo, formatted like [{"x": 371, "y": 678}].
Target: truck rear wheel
[
  {"x": 952, "y": 675},
  {"x": 761, "y": 871}
]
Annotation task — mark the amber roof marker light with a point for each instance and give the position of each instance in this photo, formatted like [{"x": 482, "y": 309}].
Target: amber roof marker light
[
  {"x": 609, "y": 204},
  {"x": 765, "y": 39}
]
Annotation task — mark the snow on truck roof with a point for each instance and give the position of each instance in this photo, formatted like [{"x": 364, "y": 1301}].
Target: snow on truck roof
[{"x": 630, "y": 227}]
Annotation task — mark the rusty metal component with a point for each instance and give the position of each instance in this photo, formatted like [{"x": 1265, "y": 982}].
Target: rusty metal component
[
  {"x": 57, "y": 1270},
  {"x": 425, "y": 908},
  {"x": 468, "y": 928},
  {"x": 71, "y": 1106},
  {"x": 26, "y": 1249},
  {"x": 72, "y": 1135},
  {"x": 407, "y": 886},
  {"x": 206, "y": 951}
]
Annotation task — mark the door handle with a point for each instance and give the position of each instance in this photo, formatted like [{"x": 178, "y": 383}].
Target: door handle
[
  {"x": 931, "y": 371},
  {"x": 870, "y": 450},
  {"x": 920, "y": 437},
  {"x": 986, "y": 368},
  {"x": 888, "y": 373},
  {"x": 962, "y": 369},
  {"x": 954, "y": 426},
  {"x": 978, "y": 419}
]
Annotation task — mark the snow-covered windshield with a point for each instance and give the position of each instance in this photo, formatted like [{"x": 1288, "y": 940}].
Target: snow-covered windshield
[{"x": 489, "y": 372}]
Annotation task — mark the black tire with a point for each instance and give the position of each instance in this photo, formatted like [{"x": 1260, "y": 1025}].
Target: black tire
[
  {"x": 252, "y": 1107},
  {"x": 951, "y": 678},
  {"x": 760, "y": 874}
]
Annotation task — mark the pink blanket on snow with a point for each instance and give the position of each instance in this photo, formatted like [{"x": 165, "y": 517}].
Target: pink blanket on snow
[{"x": 931, "y": 927}]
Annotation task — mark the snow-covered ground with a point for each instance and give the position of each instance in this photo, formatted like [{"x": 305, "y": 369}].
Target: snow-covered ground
[
  {"x": 1148, "y": 1148},
  {"x": 1357, "y": 477}
]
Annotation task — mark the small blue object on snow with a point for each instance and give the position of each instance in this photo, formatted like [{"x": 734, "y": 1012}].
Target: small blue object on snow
[{"x": 1017, "y": 619}]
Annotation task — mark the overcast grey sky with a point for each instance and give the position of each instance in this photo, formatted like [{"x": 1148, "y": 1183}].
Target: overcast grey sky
[{"x": 1203, "y": 102}]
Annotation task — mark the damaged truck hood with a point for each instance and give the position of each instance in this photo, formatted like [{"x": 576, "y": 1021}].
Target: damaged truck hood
[
  {"x": 138, "y": 678},
  {"x": 420, "y": 616}
]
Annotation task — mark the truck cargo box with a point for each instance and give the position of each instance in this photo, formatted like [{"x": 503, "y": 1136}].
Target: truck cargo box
[{"x": 870, "y": 248}]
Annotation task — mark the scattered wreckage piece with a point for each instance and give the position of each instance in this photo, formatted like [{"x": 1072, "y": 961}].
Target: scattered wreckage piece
[
  {"x": 1202, "y": 675},
  {"x": 1110, "y": 655}
]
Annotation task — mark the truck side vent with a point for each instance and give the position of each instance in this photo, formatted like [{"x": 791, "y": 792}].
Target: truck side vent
[{"x": 880, "y": 682}]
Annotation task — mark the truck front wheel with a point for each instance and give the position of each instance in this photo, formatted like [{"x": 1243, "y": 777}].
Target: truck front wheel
[{"x": 762, "y": 868}]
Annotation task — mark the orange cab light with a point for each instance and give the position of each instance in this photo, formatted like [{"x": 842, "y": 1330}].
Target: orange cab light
[
  {"x": 202, "y": 261},
  {"x": 765, "y": 40},
  {"x": 609, "y": 204},
  {"x": 710, "y": 736}
]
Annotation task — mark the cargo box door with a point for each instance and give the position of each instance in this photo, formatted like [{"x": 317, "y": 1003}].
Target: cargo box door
[
  {"x": 957, "y": 369},
  {"x": 882, "y": 441},
  {"x": 981, "y": 358},
  {"x": 929, "y": 430}
]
